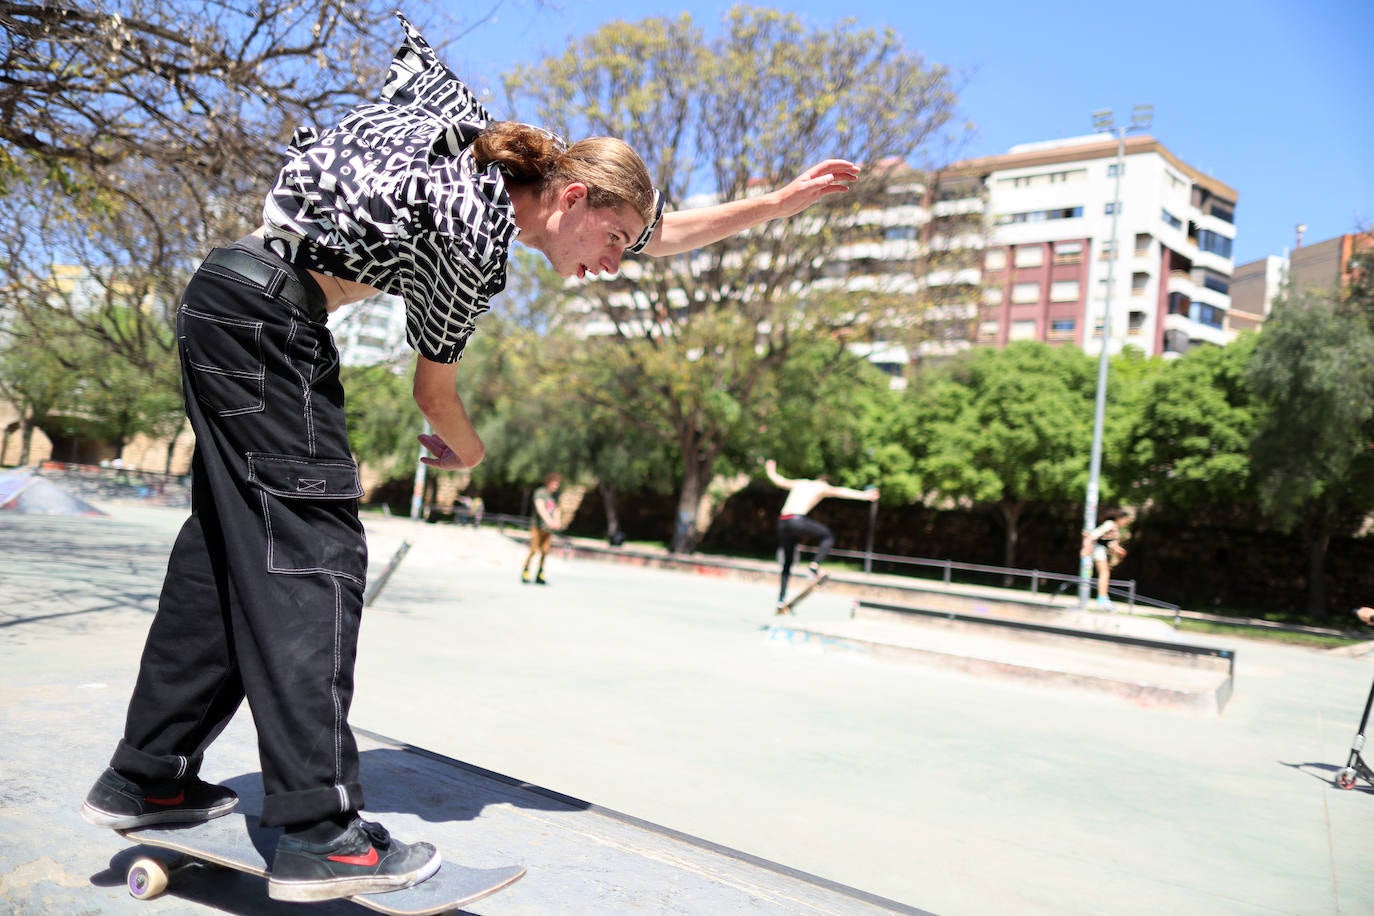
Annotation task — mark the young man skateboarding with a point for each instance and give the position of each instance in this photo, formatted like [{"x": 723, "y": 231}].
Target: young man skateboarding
[
  {"x": 794, "y": 526},
  {"x": 546, "y": 519},
  {"x": 422, "y": 195}
]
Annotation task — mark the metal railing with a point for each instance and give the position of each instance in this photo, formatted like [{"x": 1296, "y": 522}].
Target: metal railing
[{"x": 1036, "y": 581}]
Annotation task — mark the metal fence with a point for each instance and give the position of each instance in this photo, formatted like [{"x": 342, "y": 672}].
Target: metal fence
[{"x": 1036, "y": 581}]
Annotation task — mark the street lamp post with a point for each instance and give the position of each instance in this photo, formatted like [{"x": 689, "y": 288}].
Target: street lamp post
[{"x": 1104, "y": 122}]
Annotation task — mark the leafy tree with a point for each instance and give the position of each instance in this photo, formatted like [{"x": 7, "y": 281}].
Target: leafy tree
[
  {"x": 383, "y": 420},
  {"x": 1006, "y": 429},
  {"x": 1312, "y": 373},
  {"x": 137, "y": 133},
  {"x": 1186, "y": 444},
  {"x": 31, "y": 377},
  {"x": 702, "y": 338}
]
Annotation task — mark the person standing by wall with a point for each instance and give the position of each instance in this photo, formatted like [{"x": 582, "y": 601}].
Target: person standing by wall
[{"x": 546, "y": 519}]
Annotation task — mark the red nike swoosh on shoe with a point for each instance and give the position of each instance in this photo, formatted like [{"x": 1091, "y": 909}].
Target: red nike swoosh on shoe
[
  {"x": 174, "y": 800},
  {"x": 369, "y": 859}
]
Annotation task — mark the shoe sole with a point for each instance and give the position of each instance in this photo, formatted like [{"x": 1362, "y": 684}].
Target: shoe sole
[
  {"x": 93, "y": 815},
  {"x": 334, "y": 888}
]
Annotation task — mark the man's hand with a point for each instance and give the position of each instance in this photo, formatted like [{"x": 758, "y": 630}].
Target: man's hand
[
  {"x": 444, "y": 457},
  {"x": 1366, "y": 615},
  {"x": 833, "y": 176},
  {"x": 873, "y": 494}
]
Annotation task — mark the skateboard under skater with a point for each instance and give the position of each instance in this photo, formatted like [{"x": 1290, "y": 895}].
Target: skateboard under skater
[
  {"x": 1355, "y": 765},
  {"x": 239, "y": 842},
  {"x": 787, "y": 606}
]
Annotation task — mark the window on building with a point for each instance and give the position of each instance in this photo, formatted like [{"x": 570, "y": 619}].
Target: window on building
[
  {"x": 1030, "y": 255},
  {"x": 995, "y": 259},
  {"x": 1064, "y": 291},
  {"x": 1068, "y": 252},
  {"x": 1214, "y": 242},
  {"x": 899, "y": 233},
  {"x": 988, "y": 330},
  {"x": 1113, "y": 170},
  {"x": 1207, "y": 314},
  {"x": 1179, "y": 304},
  {"x": 1023, "y": 329},
  {"x": 1223, "y": 212},
  {"x": 1113, "y": 207},
  {"x": 1135, "y": 322},
  {"x": 1142, "y": 243},
  {"x": 1062, "y": 327},
  {"x": 1139, "y": 281},
  {"x": 1023, "y": 293},
  {"x": 1171, "y": 220},
  {"x": 992, "y": 295},
  {"x": 1104, "y": 253},
  {"x": 1039, "y": 216},
  {"x": 1216, "y": 282}
]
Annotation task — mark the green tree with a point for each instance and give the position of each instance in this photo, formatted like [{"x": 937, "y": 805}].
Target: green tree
[
  {"x": 703, "y": 337},
  {"x": 1313, "y": 376},
  {"x": 383, "y": 420},
  {"x": 32, "y": 378},
  {"x": 1006, "y": 429},
  {"x": 1185, "y": 446}
]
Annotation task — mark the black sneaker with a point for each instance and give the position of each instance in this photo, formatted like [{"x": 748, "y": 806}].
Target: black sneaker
[
  {"x": 364, "y": 860},
  {"x": 540, "y": 580},
  {"x": 124, "y": 804}
]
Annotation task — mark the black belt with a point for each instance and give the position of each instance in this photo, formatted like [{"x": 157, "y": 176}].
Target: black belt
[{"x": 275, "y": 281}]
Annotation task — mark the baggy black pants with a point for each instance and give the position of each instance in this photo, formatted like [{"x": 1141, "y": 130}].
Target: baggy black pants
[
  {"x": 794, "y": 529},
  {"x": 263, "y": 595}
]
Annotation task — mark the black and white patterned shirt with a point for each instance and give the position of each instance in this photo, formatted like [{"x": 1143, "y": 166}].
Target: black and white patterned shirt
[{"x": 392, "y": 198}]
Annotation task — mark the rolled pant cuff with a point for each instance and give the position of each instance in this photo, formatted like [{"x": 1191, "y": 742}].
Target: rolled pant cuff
[
  {"x": 144, "y": 767},
  {"x": 310, "y": 805}
]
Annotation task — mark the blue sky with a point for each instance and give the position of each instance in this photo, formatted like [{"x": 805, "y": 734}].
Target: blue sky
[{"x": 1270, "y": 97}]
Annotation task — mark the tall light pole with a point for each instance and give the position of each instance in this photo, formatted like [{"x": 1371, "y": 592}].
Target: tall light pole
[{"x": 1103, "y": 122}]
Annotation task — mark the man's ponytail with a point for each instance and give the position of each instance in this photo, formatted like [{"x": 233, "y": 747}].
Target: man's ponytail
[{"x": 528, "y": 155}]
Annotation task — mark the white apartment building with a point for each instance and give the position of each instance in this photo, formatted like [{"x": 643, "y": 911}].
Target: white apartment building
[
  {"x": 371, "y": 331},
  {"x": 1049, "y": 262}
]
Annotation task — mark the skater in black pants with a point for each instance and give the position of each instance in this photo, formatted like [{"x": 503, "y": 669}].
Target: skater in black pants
[
  {"x": 419, "y": 195},
  {"x": 794, "y": 527}
]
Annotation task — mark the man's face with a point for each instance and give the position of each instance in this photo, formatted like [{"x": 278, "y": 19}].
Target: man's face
[{"x": 589, "y": 240}]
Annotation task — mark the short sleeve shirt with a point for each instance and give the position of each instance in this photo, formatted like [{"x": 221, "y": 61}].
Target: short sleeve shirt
[{"x": 392, "y": 198}]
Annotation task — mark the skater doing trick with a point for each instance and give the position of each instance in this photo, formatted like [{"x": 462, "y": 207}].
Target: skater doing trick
[
  {"x": 420, "y": 194},
  {"x": 794, "y": 526}
]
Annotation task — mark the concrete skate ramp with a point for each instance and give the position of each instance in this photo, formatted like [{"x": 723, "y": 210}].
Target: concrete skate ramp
[{"x": 25, "y": 492}]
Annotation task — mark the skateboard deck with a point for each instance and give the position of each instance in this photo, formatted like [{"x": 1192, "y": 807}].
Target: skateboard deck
[
  {"x": 239, "y": 842},
  {"x": 796, "y": 599}
]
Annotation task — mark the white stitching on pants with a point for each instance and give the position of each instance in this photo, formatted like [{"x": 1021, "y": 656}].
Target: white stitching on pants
[{"x": 339, "y": 724}]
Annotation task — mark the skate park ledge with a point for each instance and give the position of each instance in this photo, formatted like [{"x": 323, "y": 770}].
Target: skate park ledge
[{"x": 1044, "y": 639}]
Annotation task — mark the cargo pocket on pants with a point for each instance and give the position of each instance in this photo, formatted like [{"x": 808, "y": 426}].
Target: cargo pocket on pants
[{"x": 310, "y": 509}]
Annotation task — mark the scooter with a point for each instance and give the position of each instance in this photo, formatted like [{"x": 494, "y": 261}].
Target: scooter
[{"x": 1355, "y": 767}]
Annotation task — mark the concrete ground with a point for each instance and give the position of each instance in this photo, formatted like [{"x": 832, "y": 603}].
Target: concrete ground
[{"x": 658, "y": 693}]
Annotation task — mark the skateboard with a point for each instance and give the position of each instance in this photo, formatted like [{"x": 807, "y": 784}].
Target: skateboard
[
  {"x": 796, "y": 599},
  {"x": 239, "y": 842}
]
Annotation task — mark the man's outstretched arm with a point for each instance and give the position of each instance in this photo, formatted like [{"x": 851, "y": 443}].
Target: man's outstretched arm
[{"x": 696, "y": 227}]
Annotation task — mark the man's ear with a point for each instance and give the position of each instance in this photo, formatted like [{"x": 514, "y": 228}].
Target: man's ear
[{"x": 571, "y": 194}]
